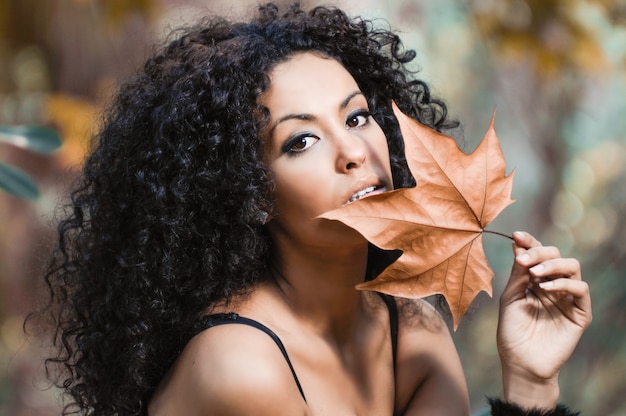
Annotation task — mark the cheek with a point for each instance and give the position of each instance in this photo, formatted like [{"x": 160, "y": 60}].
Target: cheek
[
  {"x": 299, "y": 193},
  {"x": 380, "y": 151}
]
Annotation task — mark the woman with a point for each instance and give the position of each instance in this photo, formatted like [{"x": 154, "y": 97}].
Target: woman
[{"x": 194, "y": 277}]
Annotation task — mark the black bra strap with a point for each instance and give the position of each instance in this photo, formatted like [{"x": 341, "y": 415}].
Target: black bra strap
[{"x": 233, "y": 318}]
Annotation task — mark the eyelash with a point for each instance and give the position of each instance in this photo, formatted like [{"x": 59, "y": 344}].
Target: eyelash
[
  {"x": 288, "y": 147},
  {"x": 359, "y": 113}
]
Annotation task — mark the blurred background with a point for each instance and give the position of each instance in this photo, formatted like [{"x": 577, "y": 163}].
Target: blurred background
[{"x": 554, "y": 69}]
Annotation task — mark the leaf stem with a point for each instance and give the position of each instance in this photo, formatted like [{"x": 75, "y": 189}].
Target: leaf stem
[{"x": 497, "y": 233}]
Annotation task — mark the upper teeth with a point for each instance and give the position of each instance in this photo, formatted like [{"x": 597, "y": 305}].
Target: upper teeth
[{"x": 362, "y": 193}]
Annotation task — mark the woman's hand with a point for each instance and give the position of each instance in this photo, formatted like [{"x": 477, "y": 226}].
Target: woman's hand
[{"x": 544, "y": 310}]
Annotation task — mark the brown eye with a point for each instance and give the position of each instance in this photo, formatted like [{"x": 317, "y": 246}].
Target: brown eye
[
  {"x": 299, "y": 143},
  {"x": 358, "y": 119}
]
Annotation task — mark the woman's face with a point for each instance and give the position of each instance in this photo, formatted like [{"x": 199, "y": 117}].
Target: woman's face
[{"x": 322, "y": 146}]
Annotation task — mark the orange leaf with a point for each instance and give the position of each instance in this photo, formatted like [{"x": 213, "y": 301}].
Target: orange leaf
[{"x": 438, "y": 224}]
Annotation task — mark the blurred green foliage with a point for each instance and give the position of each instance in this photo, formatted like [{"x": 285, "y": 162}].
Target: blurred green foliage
[
  {"x": 555, "y": 70},
  {"x": 36, "y": 138}
]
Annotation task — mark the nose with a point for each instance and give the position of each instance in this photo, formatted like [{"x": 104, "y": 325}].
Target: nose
[{"x": 351, "y": 152}]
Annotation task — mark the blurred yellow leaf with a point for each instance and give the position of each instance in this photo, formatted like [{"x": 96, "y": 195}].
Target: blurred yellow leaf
[
  {"x": 549, "y": 32},
  {"x": 116, "y": 10},
  {"x": 75, "y": 118}
]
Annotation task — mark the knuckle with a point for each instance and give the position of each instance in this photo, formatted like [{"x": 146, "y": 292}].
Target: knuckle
[
  {"x": 585, "y": 286},
  {"x": 554, "y": 251}
]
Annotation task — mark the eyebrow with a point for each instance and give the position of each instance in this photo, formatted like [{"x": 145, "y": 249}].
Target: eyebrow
[{"x": 342, "y": 106}]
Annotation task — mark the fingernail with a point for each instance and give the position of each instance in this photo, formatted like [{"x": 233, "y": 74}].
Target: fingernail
[
  {"x": 523, "y": 258},
  {"x": 519, "y": 234},
  {"x": 545, "y": 285},
  {"x": 537, "y": 269}
]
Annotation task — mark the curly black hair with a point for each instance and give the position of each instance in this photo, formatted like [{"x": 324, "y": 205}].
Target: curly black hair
[{"x": 168, "y": 216}]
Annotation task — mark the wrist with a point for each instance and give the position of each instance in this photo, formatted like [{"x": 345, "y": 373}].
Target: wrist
[{"x": 529, "y": 392}]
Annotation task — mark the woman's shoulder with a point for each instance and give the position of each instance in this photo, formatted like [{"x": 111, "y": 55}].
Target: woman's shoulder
[
  {"x": 429, "y": 371},
  {"x": 228, "y": 369},
  {"x": 419, "y": 315}
]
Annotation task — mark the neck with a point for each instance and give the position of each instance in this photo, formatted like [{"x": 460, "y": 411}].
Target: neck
[{"x": 320, "y": 287}]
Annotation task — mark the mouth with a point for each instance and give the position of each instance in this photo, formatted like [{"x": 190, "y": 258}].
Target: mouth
[{"x": 364, "y": 193}]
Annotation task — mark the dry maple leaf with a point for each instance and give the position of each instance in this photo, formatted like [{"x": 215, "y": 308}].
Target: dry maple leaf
[{"x": 439, "y": 223}]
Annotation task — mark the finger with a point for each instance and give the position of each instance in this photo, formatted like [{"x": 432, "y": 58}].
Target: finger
[
  {"x": 557, "y": 267},
  {"x": 536, "y": 255},
  {"x": 524, "y": 246},
  {"x": 529, "y": 258},
  {"x": 576, "y": 288},
  {"x": 525, "y": 240}
]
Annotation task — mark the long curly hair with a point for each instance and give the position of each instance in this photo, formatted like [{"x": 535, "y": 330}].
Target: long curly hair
[{"x": 168, "y": 216}]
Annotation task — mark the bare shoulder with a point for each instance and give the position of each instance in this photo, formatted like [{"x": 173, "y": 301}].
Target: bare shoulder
[
  {"x": 420, "y": 315},
  {"x": 429, "y": 372},
  {"x": 229, "y": 370},
  {"x": 422, "y": 331}
]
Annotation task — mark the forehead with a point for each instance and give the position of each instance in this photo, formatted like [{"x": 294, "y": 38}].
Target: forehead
[{"x": 305, "y": 82}]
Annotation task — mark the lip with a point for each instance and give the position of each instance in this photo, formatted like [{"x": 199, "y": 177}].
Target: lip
[{"x": 364, "y": 188}]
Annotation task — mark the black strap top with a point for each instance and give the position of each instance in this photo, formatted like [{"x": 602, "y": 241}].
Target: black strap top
[
  {"x": 210, "y": 321},
  {"x": 233, "y": 318}
]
